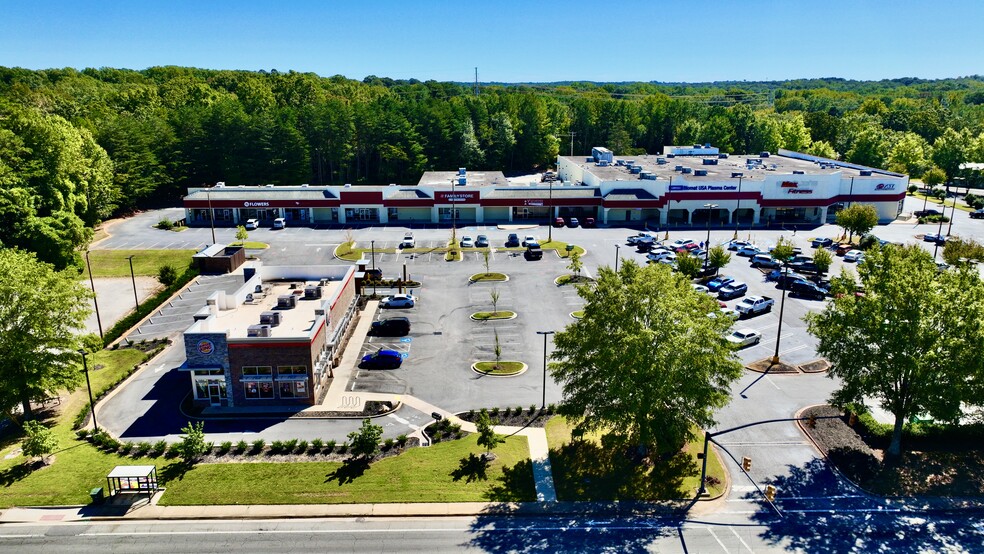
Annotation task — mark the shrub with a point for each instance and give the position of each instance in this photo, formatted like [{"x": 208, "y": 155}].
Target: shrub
[
  {"x": 165, "y": 224},
  {"x": 276, "y": 447},
  {"x": 225, "y": 447},
  {"x": 388, "y": 444},
  {"x": 454, "y": 429},
  {"x": 82, "y": 434},
  {"x": 167, "y": 275},
  {"x": 402, "y": 440},
  {"x": 438, "y": 435},
  {"x": 302, "y": 447},
  {"x": 290, "y": 446},
  {"x": 329, "y": 447},
  {"x": 192, "y": 444},
  {"x": 317, "y": 444},
  {"x": 342, "y": 448},
  {"x": 551, "y": 408},
  {"x": 241, "y": 447},
  {"x": 258, "y": 445},
  {"x": 494, "y": 412},
  {"x": 518, "y": 411},
  {"x": 125, "y": 448},
  {"x": 974, "y": 201},
  {"x": 532, "y": 409},
  {"x": 471, "y": 413},
  {"x": 143, "y": 448},
  {"x": 159, "y": 448}
]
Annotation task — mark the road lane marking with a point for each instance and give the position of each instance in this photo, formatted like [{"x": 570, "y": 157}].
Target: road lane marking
[{"x": 713, "y": 534}]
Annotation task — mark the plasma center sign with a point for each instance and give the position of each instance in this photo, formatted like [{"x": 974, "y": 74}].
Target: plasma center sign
[
  {"x": 249, "y": 204},
  {"x": 206, "y": 347},
  {"x": 702, "y": 188},
  {"x": 456, "y": 197}
]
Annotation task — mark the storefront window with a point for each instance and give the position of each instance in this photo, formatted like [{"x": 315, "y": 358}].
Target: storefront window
[
  {"x": 393, "y": 214},
  {"x": 254, "y": 390},
  {"x": 285, "y": 370},
  {"x": 293, "y": 389},
  {"x": 257, "y": 372}
]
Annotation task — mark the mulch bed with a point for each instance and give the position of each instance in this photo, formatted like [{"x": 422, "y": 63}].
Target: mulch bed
[
  {"x": 515, "y": 418},
  {"x": 765, "y": 365},
  {"x": 372, "y": 408},
  {"x": 954, "y": 471},
  {"x": 816, "y": 366}
]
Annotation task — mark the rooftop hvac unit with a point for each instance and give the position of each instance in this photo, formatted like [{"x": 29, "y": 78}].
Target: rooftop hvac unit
[
  {"x": 312, "y": 291},
  {"x": 619, "y": 162},
  {"x": 270, "y": 318},
  {"x": 649, "y": 176},
  {"x": 258, "y": 331},
  {"x": 763, "y": 154},
  {"x": 723, "y": 156},
  {"x": 319, "y": 311},
  {"x": 685, "y": 170},
  {"x": 709, "y": 161},
  {"x": 462, "y": 180},
  {"x": 305, "y": 185},
  {"x": 798, "y": 172},
  {"x": 286, "y": 301},
  {"x": 629, "y": 162},
  {"x": 660, "y": 161},
  {"x": 671, "y": 155},
  {"x": 866, "y": 173},
  {"x": 602, "y": 163},
  {"x": 700, "y": 173},
  {"x": 220, "y": 184},
  {"x": 678, "y": 168},
  {"x": 348, "y": 185},
  {"x": 707, "y": 145},
  {"x": 589, "y": 159},
  {"x": 697, "y": 146},
  {"x": 462, "y": 170},
  {"x": 269, "y": 186},
  {"x": 736, "y": 174}
]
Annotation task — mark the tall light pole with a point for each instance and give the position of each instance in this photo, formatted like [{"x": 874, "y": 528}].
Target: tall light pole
[
  {"x": 616, "y": 257},
  {"x": 953, "y": 212},
  {"x": 372, "y": 246},
  {"x": 738, "y": 206},
  {"x": 94, "y": 302},
  {"x": 454, "y": 216},
  {"x": 550, "y": 211},
  {"x": 88, "y": 385},
  {"x": 133, "y": 280},
  {"x": 939, "y": 233},
  {"x": 782, "y": 306},
  {"x": 211, "y": 213},
  {"x": 543, "y": 404},
  {"x": 707, "y": 252}
]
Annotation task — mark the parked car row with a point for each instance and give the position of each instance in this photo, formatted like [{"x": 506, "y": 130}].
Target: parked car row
[
  {"x": 574, "y": 222},
  {"x": 253, "y": 224}
]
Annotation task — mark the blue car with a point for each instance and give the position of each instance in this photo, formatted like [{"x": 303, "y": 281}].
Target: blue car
[
  {"x": 382, "y": 359},
  {"x": 718, "y": 282}
]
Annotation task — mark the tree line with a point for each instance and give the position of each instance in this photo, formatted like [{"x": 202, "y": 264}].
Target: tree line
[{"x": 77, "y": 147}]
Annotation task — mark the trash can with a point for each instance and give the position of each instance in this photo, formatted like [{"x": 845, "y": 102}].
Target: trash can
[
  {"x": 97, "y": 495},
  {"x": 570, "y": 247}
]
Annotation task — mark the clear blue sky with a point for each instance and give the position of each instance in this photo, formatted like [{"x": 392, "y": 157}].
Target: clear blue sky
[{"x": 509, "y": 40}]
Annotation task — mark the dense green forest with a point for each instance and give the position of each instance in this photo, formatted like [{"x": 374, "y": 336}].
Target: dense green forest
[{"x": 77, "y": 147}]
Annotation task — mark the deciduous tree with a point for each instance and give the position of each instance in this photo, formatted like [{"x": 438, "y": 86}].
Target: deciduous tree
[
  {"x": 718, "y": 258},
  {"x": 39, "y": 440},
  {"x": 645, "y": 363},
  {"x": 487, "y": 437},
  {"x": 910, "y": 343},
  {"x": 857, "y": 218},
  {"x": 365, "y": 441}
]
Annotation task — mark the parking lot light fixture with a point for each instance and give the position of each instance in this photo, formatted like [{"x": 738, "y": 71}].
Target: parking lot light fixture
[
  {"x": 707, "y": 252},
  {"x": 134, "y": 281},
  {"x": 939, "y": 232},
  {"x": 782, "y": 306},
  {"x": 616, "y": 257},
  {"x": 88, "y": 385},
  {"x": 543, "y": 403},
  {"x": 95, "y": 303},
  {"x": 372, "y": 248}
]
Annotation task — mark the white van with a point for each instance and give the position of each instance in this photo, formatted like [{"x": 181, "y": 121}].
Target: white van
[
  {"x": 252, "y": 224},
  {"x": 279, "y": 223}
]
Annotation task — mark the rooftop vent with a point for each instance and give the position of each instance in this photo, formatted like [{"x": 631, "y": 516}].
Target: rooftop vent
[
  {"x": 866, "y": 173},
  {"x": 648, "y": 176},
  {"x": 764, "y": 154},
  {"x": 220, "y": 184},
  {"x": 687, "y": 170},
  {"x": 798, "y": 172},
  {"x": 286, "y": 301},
  {"x": 678, "y": 168},
  {"x": 661, "y": 161},
  {"x": 305, "y": 185},
  {"x": 269, "y": 185},
  {"x": 700, "y": 173},
  {"x": 462, "y": 180},
  {"x": 258, "y": 331},
  {"x": 635, "y": 169},
  {"x": 671, "y": 155},
  {"x": 312, "y": 291},
  {"x": 271, "y": 318},
  {"x": 462, "y": 170},
  {"x": 736, "y": 174},
  {"x": 348, "y": 185},
  {"x": 723, "y": 156},
  {"x": 709, "y": 161}
]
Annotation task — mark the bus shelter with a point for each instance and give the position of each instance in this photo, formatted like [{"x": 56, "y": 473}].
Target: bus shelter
[{"x": 132, "y": 479}]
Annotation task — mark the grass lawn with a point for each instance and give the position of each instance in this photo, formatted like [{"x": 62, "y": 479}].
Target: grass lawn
[
  {"x": 255, "y": 245},
  {"x": 114, "y": 263},
  {"x": 78, "y": 466},
  {"x": 445, "y": 472},
  {"x": 486, "y": 316},
  {"x": 578, "y": 314},
  {"x": 505, "y": 368},
  {"x": 948, "y": 204},
  {"x": 571, "y": 279},
  {"x": 493, "y": 276},
  {"x": 584, "y": 471}
]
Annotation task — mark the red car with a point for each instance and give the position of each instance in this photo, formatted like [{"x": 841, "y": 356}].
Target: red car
[
  {"x": 559, "y": 222},
  {"x": 588, "y": 222}
]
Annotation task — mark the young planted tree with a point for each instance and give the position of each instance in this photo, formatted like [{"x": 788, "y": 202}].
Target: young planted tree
[
  {"x": 39, "y": 440},
  {"x": 494, "y": 296},
  {"x": 911, "y": 343},
  {"x": 486, "y": 432},
  {"x": 487, "y": 260},
  {"x": 857, "y": 218},
  {"x": 497, "y": 349},
  {"x": 644, "y": 372},
  {"x": 822, "y": 258},
  {"x": 242, "y": 235},
  {"x": 365, "y": 441},
  {"x": 167, "y": 275},
  {"x": 576, "y": 265},
  {"x": 718, "y": 258},
  {"x": 688, "y": 264},
  {"x": 42, "y": 316},
  {"x": 931, "y": 179},
  {"x": 192, "y": 445}
]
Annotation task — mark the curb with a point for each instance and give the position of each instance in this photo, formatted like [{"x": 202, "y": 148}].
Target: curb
[
  {"x": 524, "y": 369},
  {"x": 513, "y": 316}
]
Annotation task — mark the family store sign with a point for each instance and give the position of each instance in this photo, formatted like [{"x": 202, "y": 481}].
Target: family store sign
[{"x": 456, "y": 197}]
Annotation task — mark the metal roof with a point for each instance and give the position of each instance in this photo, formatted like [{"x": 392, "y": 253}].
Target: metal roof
[
  {"x": 261, "y": 193},
  {"x": 629, "y": 194},
  {"x": 131, "y": 471},
  {"x": 557, "y": 192}
]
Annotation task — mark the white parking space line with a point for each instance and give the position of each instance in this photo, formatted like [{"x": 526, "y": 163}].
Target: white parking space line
[
  {"x": 713, "y": 534},
  {"x": 741, "y": 540}
]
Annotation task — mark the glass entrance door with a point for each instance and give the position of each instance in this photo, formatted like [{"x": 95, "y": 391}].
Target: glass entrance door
[{"x": 215, "y": 394}]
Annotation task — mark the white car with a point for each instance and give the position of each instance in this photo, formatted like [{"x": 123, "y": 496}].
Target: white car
[
  {"x": 736, "y": 244},
  {"x": 252, "y": 224},
  {"x": 668, "y": 259},
  {"x": 408, "y": 241},
  {"x": 280, "y": 223},
  {"x": 854, "y": 256},
  {"x": 398, "y": 301},
  {"x": 744, "y": 337},
  {"x": 680, "y": 243},
  {"x": 467, "y": 242},
  {"x": 748, "y": 250},
  {"x": 659, "y": 255},
  {"x": 528, "y": 239},
  {"x": 701, "y": 288}
]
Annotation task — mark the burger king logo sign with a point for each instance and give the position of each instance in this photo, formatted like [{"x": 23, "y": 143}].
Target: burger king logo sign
[{"x": 206, "y": 347}]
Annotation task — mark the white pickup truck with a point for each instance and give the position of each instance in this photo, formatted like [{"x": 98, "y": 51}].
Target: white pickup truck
[
  {"x": 643, "y": 237},
  {"x": 754, "y": 305}
]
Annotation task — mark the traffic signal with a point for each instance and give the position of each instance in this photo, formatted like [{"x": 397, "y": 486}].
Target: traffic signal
[
  {"x": 746, "y": 463},
  {"x": 770, "y": 493}
]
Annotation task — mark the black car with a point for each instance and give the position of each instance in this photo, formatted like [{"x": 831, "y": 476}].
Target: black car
[
  {"x": 512, "y": 240},
  {"x": 374, "y": 274},
  {"x": 806, "y": 289},
  {"x": 391, "y": 327},
  {"x": 926, "y": 213},
  {"x": 533, "y": 252},
  {"x": 977, "y": 214},
  {"x": 804, "y": 267}
]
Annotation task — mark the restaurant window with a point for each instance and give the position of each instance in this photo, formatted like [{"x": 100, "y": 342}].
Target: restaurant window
[
  {"x": 293, "y": 389},
  {"x": 258, "y": 390}
]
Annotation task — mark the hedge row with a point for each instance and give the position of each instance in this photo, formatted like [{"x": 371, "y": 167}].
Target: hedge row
[
  {"x": 918, "y": 436},
  {"x": 83, "y": 415},
  {"x": 147, "y": 307}
]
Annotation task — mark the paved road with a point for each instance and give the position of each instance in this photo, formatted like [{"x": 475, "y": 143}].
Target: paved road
[{"x": 795, "y": 532}]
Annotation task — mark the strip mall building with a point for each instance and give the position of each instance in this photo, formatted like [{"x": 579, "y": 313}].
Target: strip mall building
[{"x": 674, "y": 188}]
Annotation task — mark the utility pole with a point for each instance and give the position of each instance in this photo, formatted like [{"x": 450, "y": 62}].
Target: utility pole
[
  {"x": 572, "y": 133},
  {"x": 476, "y": 81}
]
